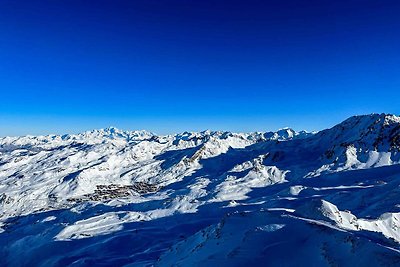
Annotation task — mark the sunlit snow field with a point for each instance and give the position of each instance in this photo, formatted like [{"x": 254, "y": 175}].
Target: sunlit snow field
[{"x": 286, "y": 198}]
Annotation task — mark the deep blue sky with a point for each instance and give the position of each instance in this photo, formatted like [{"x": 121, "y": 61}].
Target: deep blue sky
[{"x": 169, "y": 66}]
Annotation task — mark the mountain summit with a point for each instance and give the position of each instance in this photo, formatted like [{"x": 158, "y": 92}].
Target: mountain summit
[{"x": 119, "y": 198}]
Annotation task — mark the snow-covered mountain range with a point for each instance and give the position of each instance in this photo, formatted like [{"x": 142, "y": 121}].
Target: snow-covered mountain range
[{"x": 133, "y": 198}]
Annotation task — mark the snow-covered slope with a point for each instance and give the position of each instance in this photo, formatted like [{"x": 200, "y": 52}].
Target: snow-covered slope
[{"x": 114, "y": 198}]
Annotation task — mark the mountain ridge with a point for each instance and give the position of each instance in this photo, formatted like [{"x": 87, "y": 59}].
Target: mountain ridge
[{"x": 101, "y": 185}]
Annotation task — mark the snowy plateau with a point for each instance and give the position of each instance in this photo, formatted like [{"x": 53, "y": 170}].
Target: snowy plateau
[{"x": 132, "y": 198}]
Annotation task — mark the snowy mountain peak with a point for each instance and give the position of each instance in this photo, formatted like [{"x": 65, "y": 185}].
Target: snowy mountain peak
[
  {"x": 369, "y": 122},
  {"x": 210, "y": 195},
  {"x": 374, "y": 131},
  {"x": 286, "y": 134},
  {"x": 114, "y": 133}
]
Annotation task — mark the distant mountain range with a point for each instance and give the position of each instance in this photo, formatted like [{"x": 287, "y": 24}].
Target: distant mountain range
[{"x": 133, "y": 198}]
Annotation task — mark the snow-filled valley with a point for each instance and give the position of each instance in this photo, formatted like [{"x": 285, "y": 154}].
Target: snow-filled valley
[{"x": 133, "y": 198}]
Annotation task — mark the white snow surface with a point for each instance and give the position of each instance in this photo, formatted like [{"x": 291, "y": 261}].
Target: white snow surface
[{"x": 135, "y": 198}]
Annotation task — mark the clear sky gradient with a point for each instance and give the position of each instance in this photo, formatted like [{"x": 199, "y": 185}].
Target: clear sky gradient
[{"x": 170, "y": 66}]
